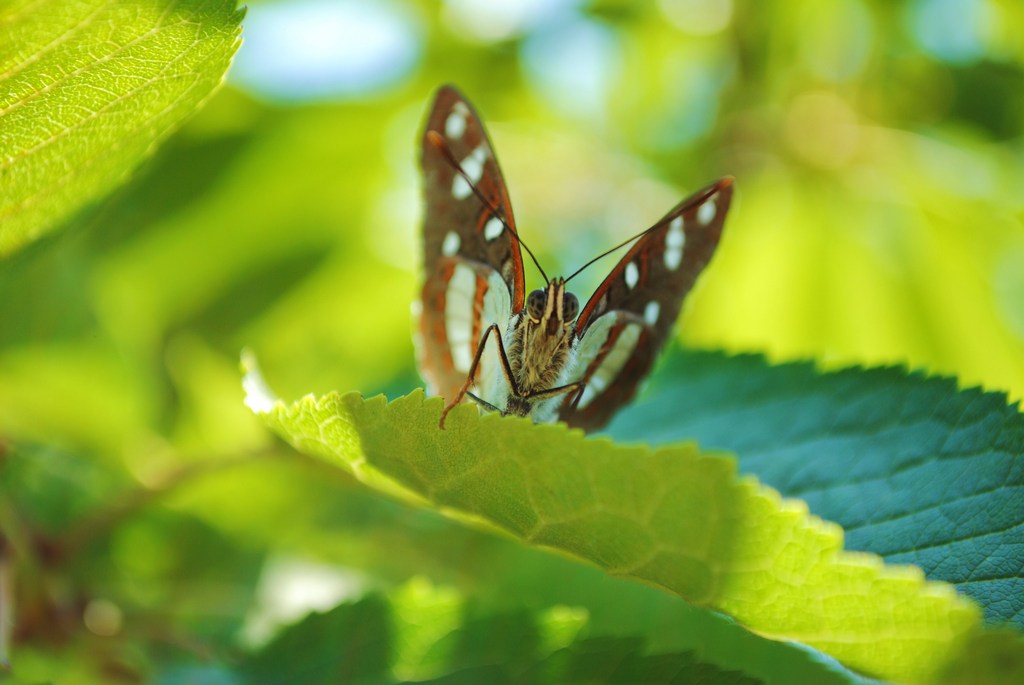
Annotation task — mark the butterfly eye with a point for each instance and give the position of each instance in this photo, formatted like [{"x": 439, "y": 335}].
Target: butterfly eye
[
  {"x": 535, "y": 304},
  {"x": 570, "y": 307}
]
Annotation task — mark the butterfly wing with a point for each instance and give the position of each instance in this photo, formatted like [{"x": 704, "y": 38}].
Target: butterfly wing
[
  {"x": 473, "y": 265},
  {"x": 633, "y": 312}
]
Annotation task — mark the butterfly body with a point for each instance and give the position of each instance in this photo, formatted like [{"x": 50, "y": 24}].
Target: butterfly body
[
  {"x": 539, "y": 344},
  {"x": 541, "y": 355}
]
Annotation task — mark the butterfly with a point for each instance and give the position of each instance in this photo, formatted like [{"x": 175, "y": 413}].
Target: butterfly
[{"x": 541, "y": 355}]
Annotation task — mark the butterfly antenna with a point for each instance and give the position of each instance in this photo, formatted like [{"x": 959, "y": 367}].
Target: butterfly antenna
[
  {"x": 690, "y": 202},
  {"x": 437, "y": 140},
  {"x": 608, "y": 252}
]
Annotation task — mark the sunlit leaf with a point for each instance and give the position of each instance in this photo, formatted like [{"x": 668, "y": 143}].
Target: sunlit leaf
[
  {"x": 89, "y": 89},
  {"x": 675, "y": 517}
]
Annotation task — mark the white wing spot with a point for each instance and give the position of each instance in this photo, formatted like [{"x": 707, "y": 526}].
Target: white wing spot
[
  {"x": 473, "y": 166},
  {"x": 651, "y": 312},
  {"x": 451, "y": 244},
  {"x": 674, "y": 242},
  {"x": 491, "y": 385},
  {"x": 455, "y": 124},
  {"x": 493, "y": 228},
  {"x": 586, "y": 398},
  {"x": 458, "y": 315},
  {"x": 607, "y": 372},
  {"x": 632, "y": 275},
  {"x": 707, "y": 211}
]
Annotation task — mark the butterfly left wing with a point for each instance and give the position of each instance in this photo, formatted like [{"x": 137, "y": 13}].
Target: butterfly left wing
[
  {"x": 472, "y": 262},
  {"x": 633, "y": 312}
]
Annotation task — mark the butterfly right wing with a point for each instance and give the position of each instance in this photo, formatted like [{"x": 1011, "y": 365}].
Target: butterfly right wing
[
  {"x": 633, "y": 312},
  {"x": 473, "y": 268}
]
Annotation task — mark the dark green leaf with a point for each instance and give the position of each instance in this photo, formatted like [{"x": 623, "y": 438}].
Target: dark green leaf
[{"x": 913, "y": 470}]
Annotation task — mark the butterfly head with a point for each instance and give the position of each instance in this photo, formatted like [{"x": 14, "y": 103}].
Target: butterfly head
[{"x": 552, "y": 307}]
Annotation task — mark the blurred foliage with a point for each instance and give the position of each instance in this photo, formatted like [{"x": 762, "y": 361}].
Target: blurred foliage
[{"x": 152, "y": 528}]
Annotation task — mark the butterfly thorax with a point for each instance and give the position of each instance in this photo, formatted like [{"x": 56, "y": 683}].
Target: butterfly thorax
[{"x": 540, "y": 344}]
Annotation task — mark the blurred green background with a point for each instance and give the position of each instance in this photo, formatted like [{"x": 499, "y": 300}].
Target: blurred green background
[
  {"x": 879, "y": 219},
  {"x": 877, "y": 150}
]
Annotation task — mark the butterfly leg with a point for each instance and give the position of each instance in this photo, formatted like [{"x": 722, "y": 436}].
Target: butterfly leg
[
  {"x": 506, "y": 369},
  {"x": 554, "y": 392},
  {"x": 482, "y": 402}
]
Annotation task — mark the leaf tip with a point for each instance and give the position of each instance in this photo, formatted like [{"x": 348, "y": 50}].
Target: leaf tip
[{"x": 258, "y": 396}]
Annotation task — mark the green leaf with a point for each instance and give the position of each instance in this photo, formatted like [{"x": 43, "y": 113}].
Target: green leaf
[
  {"x": 349, "y": 644},
  {"x": 675, "y": 517},
  {"x": 912, "y": 469},
  {"x": 88, "y": 89},
  {"x": 462, "y": 640}
]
